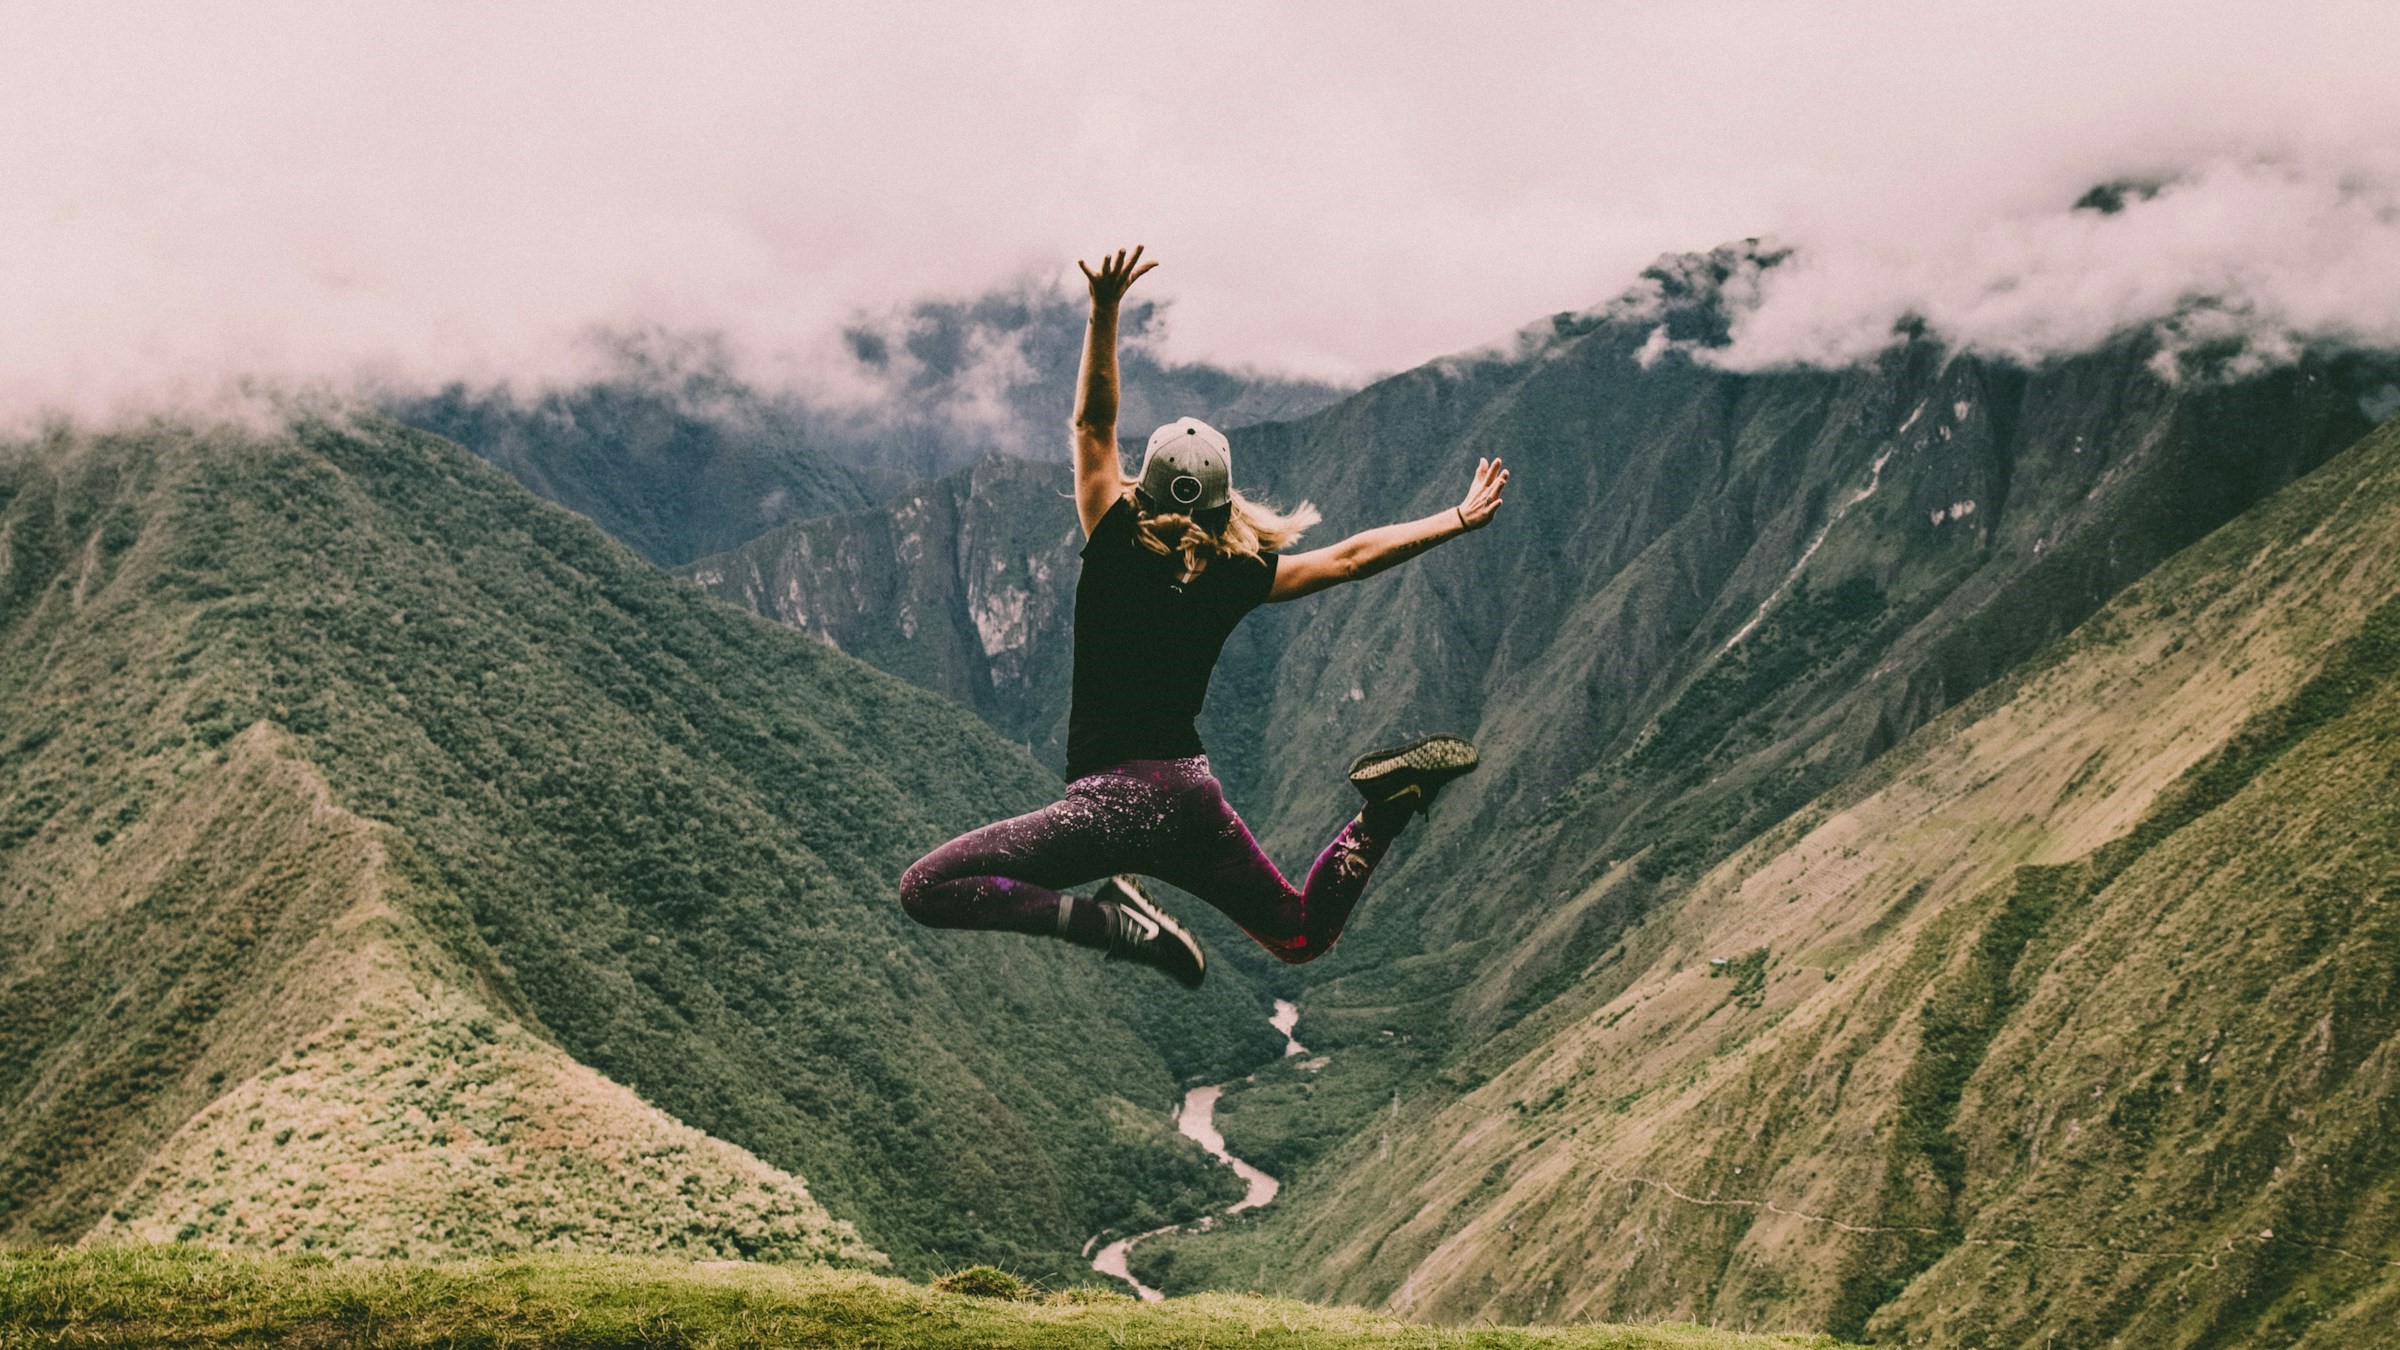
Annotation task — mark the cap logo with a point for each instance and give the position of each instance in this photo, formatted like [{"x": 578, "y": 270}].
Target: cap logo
[{"x": 1185, "y": 489}]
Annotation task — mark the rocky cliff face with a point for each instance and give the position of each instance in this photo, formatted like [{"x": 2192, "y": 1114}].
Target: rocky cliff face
[{"x": 963, "y": 585}]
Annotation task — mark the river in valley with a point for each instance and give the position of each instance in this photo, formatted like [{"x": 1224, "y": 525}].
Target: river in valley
[{"x": 1195, "y": 1119}]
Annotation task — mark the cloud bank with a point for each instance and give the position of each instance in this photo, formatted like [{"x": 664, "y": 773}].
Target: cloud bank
[
  {"x": 2248, "y": 260},
  {"x": 431, "y": 192}
]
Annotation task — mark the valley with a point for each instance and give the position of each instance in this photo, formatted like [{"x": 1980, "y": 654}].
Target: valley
[{"x": 1929, "y": 870}]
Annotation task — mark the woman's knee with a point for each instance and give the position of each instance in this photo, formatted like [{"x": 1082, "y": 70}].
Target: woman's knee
[{"x": 917, "y": 890}]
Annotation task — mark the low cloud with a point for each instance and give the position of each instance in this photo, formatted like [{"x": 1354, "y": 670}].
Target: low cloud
[
  {"x": 2248, "y": 261},
  {"x": 209, "y": 195}
]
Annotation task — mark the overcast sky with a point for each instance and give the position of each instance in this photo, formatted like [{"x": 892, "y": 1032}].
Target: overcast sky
[{"x": 190, "y": 191}]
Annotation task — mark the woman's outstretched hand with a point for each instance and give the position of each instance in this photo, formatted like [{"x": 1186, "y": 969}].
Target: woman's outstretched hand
[
  {"x": 1116, "y": 275},
  {"x": 1483, "y": 497}
]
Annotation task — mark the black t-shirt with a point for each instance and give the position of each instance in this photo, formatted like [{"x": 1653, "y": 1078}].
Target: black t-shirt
[{"x": 1146, "y": 642}]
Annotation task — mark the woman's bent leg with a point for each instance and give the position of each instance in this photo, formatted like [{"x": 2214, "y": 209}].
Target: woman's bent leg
[
  {"x": 1010, "y": 875},
  {"x": 1223, "y": 865}
]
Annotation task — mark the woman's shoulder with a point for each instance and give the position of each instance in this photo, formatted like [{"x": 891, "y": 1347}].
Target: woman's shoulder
[{"x": 1116, "y": 526}]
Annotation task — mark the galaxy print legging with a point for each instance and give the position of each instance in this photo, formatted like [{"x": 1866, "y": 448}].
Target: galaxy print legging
[{"x": 1163, "y": 818}]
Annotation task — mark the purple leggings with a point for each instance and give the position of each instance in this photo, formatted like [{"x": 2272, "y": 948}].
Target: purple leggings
[{"x": 1165, "y": 818}]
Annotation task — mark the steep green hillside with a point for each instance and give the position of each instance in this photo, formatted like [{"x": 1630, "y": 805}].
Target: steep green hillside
[
  {"x": 2071, "y": 1022},
  {"x": 150, "y": 1296},
  {"x": 293, "y": 1062},
  {"x": 606, "y": 817}
]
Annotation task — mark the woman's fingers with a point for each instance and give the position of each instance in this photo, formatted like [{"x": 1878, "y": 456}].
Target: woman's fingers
[
  {"x": 1483, "y": 496},
  {"x": 1118, "y": 270}
]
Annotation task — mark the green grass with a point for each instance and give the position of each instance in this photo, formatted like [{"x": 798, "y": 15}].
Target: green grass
[{"x": 189, "y": 1296}]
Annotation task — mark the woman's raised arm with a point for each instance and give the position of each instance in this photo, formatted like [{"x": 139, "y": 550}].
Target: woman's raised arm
[
  {"x": 1371, "y": 551},
  {"x": 1099, "y": 473}
]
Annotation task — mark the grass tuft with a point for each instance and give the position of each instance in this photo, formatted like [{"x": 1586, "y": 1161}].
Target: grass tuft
[{"x": 984, "y": 1282}]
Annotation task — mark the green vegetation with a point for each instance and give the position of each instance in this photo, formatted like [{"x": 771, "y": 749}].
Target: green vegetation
[
  {"x": 140, "y": 1296},
  {"x": 308, "y": 725},
  {"x": 1289, "y": 1114},
  {"x": 2070, "y": 1020},
  {"x": 984, "y": 1282},
  {"x": 1972, "y": 1001}
]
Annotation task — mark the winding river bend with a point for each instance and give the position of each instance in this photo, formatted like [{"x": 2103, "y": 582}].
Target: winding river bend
[{"x": 1196, "y": 1120}]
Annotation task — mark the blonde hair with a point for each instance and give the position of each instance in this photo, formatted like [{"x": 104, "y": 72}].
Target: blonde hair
[{"x": 1250, "y": 527}]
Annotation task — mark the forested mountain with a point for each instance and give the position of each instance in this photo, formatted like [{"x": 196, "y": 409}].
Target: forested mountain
[
  {"x": 356, "y": 807},
  {"x": 1715, "y": 597}
]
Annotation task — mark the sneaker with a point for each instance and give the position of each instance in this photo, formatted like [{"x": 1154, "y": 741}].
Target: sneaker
[
  {"x": 1139, "y": 931},
  {"x": 1413, "y": 772}
]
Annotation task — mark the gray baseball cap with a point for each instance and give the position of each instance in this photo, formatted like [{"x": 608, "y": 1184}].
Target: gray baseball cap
[{"x": 1189, "y": 467}]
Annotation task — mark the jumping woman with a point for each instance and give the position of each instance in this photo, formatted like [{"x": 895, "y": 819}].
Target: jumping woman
[{"x": 1172, "y": 560}]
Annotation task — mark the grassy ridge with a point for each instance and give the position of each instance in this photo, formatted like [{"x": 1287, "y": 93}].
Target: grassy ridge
[{"x": 183, "y": 1296}]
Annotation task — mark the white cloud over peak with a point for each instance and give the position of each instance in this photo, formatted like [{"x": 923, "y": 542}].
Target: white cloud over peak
[{"x": 2266, "y": 255}]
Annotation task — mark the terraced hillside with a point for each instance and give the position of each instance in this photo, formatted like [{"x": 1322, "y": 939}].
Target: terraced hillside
[
  {"x": 391, "y": 862},
  {"x": 2071, "y": 1021}
]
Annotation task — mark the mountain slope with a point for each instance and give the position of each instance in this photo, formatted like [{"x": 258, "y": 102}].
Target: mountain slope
[
  {"x": 2069, "y": 1022},
  {"x": 475, "y": 1134},
  {"x": 648, "y": 832}
]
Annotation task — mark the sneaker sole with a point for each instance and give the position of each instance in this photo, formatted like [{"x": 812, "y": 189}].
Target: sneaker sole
[
  {"x": 1131, "y": 895},
  {"x": 1447, "y": 756}
]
